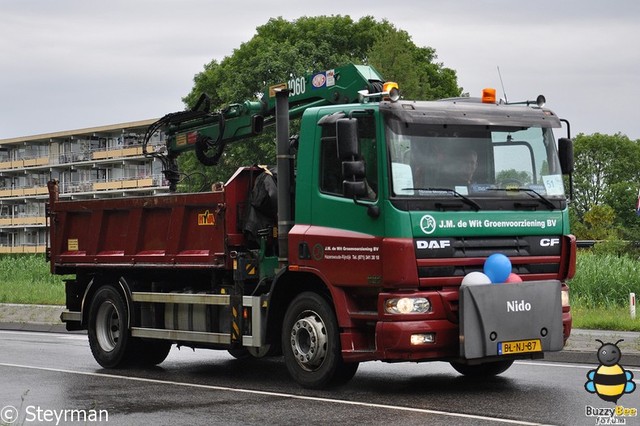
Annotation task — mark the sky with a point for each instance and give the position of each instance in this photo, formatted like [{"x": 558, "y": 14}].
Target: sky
[{"x": 72, "y": 64}]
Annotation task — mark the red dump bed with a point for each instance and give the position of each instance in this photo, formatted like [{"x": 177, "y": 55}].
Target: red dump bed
[{"x": 170, "y": 230}]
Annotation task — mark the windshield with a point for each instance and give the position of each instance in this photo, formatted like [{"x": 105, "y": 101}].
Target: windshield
[{"x": 474, "y": 161}]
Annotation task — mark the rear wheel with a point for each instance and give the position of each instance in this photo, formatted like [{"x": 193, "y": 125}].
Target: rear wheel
[
  {"x": 240, "y": 353},
  {"x": 108, "y": 330},
  {"x": 152, "y": 352},
  {"x": 311, "y": 343},
  {"x": 250, "y": 352},
  {"x": 486, "y": 369}
]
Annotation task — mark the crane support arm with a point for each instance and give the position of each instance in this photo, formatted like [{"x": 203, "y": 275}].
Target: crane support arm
[{"x": 207, "y": 132}]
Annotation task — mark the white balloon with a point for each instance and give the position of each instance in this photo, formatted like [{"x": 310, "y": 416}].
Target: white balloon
[{"x": 475, "y": 278}]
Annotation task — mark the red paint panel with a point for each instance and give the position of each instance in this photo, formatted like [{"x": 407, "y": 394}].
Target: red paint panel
[
  {"x": 73, "y": 225},
  {"x": 569, "y": 250},
  {"x": 153, "y": 231},
  {"x": 399, "y": 266},
  {"x": 141, "y": 230},
  {"x": 113, "y": 231},
  {"x": 393, "y": 340},
  {"x": 345, "y": 258}
]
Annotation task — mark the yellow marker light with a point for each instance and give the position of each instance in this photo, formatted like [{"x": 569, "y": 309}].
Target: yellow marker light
[
  {"x": 392, "y": 90},
  {"x": 489, "y": 96}
]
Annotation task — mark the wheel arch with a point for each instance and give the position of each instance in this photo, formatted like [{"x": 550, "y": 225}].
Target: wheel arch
[
  {"x": 284, "y": 289},
  {"x": 118, "y": 282}
]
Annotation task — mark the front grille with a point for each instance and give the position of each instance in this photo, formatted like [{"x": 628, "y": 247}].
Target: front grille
[{"x": 456, "y": 257}]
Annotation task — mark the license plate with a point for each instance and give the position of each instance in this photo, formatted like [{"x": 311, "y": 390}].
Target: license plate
[{"x": 519, "y": 347}]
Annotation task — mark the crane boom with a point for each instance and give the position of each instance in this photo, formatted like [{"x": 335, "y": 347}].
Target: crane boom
[{"x": 207, "y": 132}]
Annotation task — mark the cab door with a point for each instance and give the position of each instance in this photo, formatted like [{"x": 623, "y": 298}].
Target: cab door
[{"x": 344, "y": 237}]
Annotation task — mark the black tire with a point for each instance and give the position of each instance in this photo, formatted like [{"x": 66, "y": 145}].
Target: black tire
[
  {"x": 240, "y": 353},
  {"x": 311, "y": 344},
  {"x": 109, "y": 337},
  {"x": 151, "y": 352},
  {"x": 486, "y": 369},
  {"x": 250, "y": 352}
]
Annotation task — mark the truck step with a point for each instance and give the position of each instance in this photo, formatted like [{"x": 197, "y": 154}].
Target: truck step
[{"x": 364, "y": 315}]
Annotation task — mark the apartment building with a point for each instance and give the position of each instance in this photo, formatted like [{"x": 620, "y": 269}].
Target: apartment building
[{"x": 97, "y": 162}]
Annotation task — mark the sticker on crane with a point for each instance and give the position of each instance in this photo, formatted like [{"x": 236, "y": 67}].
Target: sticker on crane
[
  {"x": 331, "y": 78},
  {"x": 192, "y": 137},
  {"x": 324, "y": 79},
  {"x": 297, "y": 86},
  {"x": 276, "y": 87},
  {"x": 206, "y": 219},
  {"x": 181, "y": 139},
  {"x": 319, "y": 80}
]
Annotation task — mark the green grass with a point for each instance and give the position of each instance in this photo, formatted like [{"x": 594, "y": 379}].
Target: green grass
[
  {"x": 605, "y": 280},
  {"x": 26, "y": 279},
  {"x": 599, "y": 291},
  {"x": 604, "y": 318}
]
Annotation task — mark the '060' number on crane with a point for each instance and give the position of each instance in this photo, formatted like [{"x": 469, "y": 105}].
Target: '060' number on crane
[{"x": 297, "y": 86}]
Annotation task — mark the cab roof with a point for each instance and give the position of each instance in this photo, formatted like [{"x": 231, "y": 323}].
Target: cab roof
[{"x": 470, "y": 111}]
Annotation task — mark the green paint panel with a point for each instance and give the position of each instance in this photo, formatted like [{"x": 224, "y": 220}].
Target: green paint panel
[{"x": 477, "y": 224}]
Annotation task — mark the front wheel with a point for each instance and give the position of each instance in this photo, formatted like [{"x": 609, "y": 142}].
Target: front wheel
[
  {"x": 108, "y": 331},
  {"x": 486, "y": 369},
  {"x": 311, "y": 343}
]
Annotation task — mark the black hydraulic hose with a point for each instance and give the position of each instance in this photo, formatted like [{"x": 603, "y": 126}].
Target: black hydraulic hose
[{"x": 205, "y": 143}]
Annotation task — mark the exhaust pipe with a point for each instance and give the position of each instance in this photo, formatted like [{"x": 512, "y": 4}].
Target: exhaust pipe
[{"x": 284, "y": 162}]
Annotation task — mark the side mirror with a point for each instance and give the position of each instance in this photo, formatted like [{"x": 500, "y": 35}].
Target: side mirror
[
  {"x": 565, "y": 154},
  {"x": 347, "y": 136},
  {"x": 353, "y": 173},
  {"x": 353, "y": 169}
]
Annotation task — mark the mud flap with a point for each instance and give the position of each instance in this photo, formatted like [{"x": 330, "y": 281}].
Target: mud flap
[{"x": 510, "y": 319}]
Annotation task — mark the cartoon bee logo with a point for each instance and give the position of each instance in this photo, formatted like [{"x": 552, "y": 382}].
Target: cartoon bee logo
[{"x": 609, "y": 381}]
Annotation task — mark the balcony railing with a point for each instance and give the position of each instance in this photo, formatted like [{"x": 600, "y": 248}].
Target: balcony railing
[
  {"x": 144, "y": 181},
  {"x": 30, "y": 248},
  {"x": 23, "y": 220},
  {"x": 78, "y": 157},
  {"x": 116, "y": 184}
]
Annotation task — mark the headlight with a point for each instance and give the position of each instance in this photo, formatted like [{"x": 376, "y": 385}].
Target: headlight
[
  {"x": 565, "y": 298},
  {"x": 407, "y": 305}
]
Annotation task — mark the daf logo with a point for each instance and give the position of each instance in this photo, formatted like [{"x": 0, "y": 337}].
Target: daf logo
[
  {"x": 549, "y": 242},
  {"x": 428, "y": 224},
  {"x": 433, "y": 244}
]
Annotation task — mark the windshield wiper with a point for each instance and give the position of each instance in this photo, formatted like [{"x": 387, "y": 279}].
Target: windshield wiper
[
  {"x": 466, "y": 200},
  {"x": 529, "y": 191}
]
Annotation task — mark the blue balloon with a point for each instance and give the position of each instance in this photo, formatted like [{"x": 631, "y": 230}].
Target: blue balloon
[{"x": 497, "y": 267}]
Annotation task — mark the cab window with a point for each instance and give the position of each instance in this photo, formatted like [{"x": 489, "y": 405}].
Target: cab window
[{"x": 331, "y": 166}]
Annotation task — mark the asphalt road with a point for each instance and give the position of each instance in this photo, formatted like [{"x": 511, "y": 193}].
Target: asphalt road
[{"x": 45, "y": 376}]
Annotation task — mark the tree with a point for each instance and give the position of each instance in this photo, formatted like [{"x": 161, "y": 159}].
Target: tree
[
  {"x": 281, "y": 48},
  {"x": 598, "y": 224},
  {"x": 398, "y": 59},
  {"x": 607, "y": 173}
]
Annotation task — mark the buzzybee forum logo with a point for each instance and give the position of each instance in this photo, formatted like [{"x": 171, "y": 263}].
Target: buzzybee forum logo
[{"x": 610, "y": 381}]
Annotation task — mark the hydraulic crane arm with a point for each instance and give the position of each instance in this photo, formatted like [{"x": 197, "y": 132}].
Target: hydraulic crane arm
[{"x": 207, "y": 132}]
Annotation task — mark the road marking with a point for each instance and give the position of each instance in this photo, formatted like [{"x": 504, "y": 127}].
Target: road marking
[
  {"x": 278, "y": 394},
  {"x": 61, "y": 336},
  {"x": 44, "y": 334},
  {"x": 557, "y": 364}
]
